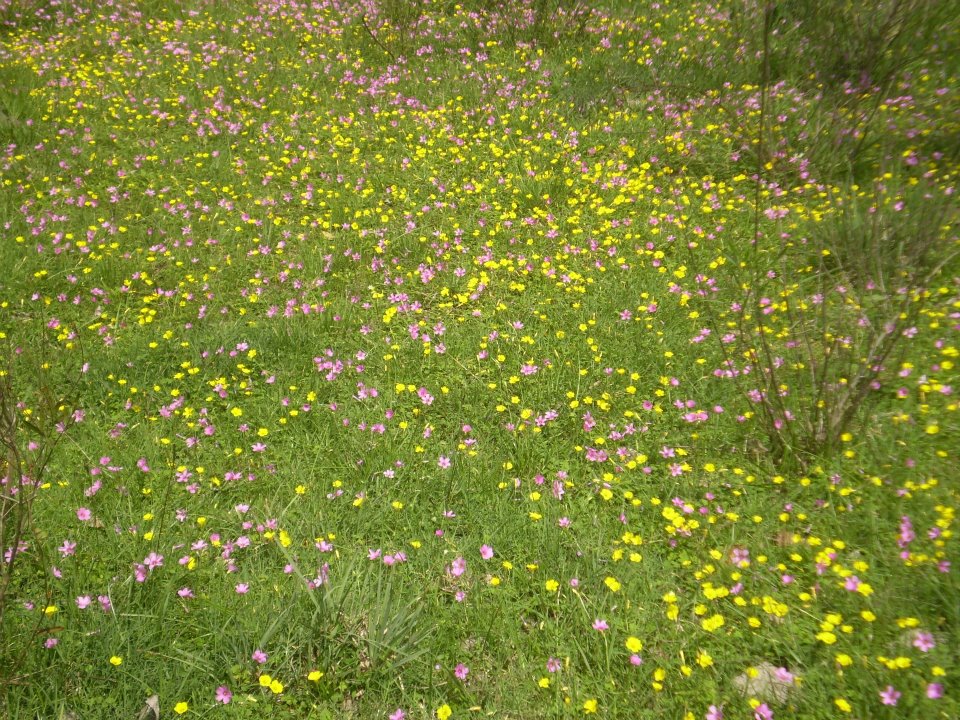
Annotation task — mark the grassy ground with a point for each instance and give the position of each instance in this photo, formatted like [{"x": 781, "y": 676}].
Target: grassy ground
[{"x": 387, "y": 360}]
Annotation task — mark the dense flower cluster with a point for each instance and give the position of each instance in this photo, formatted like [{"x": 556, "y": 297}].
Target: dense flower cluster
[{"x": 400, "y": 390}]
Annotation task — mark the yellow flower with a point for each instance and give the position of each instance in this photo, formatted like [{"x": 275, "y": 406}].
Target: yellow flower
[
  {"x": 314, "y": 676},
  {"x": 843, "y": 705},
  {"x": 633, "y": 644},
  {"x": 828, "y": 638},
  {"x": 552, "y": 585},
  {"x": 590, "y": 706},
  {"x": 276, "y": 687},
  {"x": 444, "y": 712},
  {"x": 116, "y": 661},
  {"x": 265, "y": 680},
  {"x": 712, "y": 623},
  {"x": 180, "y": 708},
  {"x": 613, "y": 584}
]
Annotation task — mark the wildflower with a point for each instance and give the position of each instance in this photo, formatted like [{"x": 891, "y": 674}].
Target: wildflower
[
  {"x": 553, "y": 665},
  {"x": 224, "y": 695},
  {"x": 444, "y": 712},
  {"x": 590, "y": 706},
  {"x": 889, "y": 696},
  {"x": 633, "y": 644},
  {"x": 398, "y": 714},
  {"x": 934, "y": 691},
  {"x": 461, "y": 671},
  {"x": 116, "y": 661},
  {"x": 924, "y": 642},
  {"x": 714, "y": 713},
  {"x": 486, "y": 552},
  {"x": 180, "y": 708},
  {"x": 712, "y": 623},
  {"x": 458, "y": 567},
  {"x": 600, "y": 625},
  {"x": 843, "y": 705},
  {"x": 763, "y": 712},
  {"x": 314, "y": 676}
]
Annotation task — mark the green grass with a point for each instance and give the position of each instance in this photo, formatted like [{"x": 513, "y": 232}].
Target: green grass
[{"x": 405, "y": 351}]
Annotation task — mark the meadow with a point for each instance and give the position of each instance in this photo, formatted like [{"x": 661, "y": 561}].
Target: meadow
[{"x": 435, "y": 359}]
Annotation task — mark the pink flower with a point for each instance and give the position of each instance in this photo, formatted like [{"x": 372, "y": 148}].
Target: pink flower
[
  {"x": 84, "y": 514},
  {"x": 890, "y": 695},
  {"x": 458, "y": 567},
  {"x": 398, "y": 714},
  {"x": 461, "y": 671},
  {"x": 553, "y": 665},
  {"x": 924, "y": 642},
  {"x": 783, "y": 675},
  {"x": 242, "y": 588},
  {"x": 443, "y": 462},
  {"x": 714, "y": 713},
  {"x": 486, "y": 552},
  {"x": 224, "y": 695},
  {"x": 83, "y": 602},
  {"x": 259, "y": 656},
  {"x": 600, "y": 625},
  {"x": 763, "y": 712},
  {"x": 934, "y": 691}
]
